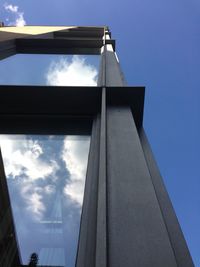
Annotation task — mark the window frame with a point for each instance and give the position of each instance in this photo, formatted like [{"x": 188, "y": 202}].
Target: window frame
[{"x": 22, "y": 107}]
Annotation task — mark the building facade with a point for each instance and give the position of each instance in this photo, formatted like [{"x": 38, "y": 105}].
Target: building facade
[{"x": 127, "y": 218}]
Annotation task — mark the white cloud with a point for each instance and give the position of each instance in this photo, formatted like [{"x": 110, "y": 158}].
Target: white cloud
[
  {"x": 11, "y": 8},
  {"x": 35, "y": 204},
  {"x": 21, "y": 157},
  {"x": 26, "y": 162},
  {"x": 16, "y": 14},
  {"x": 75, "y": 156},
  {"x": 74, "y": 73},
  {"x": 20, "y": 21}
]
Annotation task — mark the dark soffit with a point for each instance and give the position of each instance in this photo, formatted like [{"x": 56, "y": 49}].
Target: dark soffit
[{"x": 69, "y": 101}]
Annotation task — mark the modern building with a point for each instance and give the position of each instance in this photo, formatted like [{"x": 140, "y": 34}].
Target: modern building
[{"x": 65, "y": 107}]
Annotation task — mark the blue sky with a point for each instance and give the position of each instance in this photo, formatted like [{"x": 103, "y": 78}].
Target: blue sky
[{"x": 158, "y": 47}]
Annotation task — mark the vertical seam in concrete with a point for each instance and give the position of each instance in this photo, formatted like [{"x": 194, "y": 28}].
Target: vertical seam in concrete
[{"x": 101, "y": 238}]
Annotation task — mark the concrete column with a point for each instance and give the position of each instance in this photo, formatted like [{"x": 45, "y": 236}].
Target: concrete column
[{"x": 136, "y": 230}]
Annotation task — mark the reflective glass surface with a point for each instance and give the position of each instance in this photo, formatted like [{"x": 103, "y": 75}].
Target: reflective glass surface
[
  {"x": 46, "y": 178},
  {"x": 55, "y": 70}
]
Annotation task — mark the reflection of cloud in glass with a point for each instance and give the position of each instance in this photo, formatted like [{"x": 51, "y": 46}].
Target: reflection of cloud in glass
[
  {"x": 53, "y": 70},
  {"x": 73, "y": 155},
  {"x": 45, "y": 176},
  {"x": 22, "y": 162},
  {"x": 22, "y": 157},
  {"x": 75, "y": 73}
]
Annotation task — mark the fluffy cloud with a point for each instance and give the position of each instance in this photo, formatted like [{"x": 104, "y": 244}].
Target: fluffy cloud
[
  {"x": 36, "y": 205},
  {"x": 37, "y": 169},
  {"x": 16, "y": 14},
  {"x": 22, "y": 161},
  {"x": 11, "y": 8},
  {"x": 74, "y": 73},
  {"x": 74, "y": 155},
  {"x": 22, "y": 157}
]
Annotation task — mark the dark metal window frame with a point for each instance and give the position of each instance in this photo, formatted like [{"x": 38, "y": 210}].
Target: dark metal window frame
[
  {"x": 65, "y": 109},
  {"x": 117, "y": 113}
]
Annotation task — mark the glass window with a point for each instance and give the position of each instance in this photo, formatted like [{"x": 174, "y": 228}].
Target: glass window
[
  {"x": 45, "y": 175},
  {"x": 51, "y": 70}
]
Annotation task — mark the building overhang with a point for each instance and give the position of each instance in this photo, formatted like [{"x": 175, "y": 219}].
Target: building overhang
[{"x": 28, "y": 102}]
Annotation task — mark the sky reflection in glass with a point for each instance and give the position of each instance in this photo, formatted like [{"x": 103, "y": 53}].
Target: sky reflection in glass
[
  {"x": 46, "y": 178},
  {"x": 55, "y": 70}
]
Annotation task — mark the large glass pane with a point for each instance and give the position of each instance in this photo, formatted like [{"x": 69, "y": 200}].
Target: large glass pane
[
  {"x": 46, "y": 177},
  {"x": 55, "y": 70}
]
